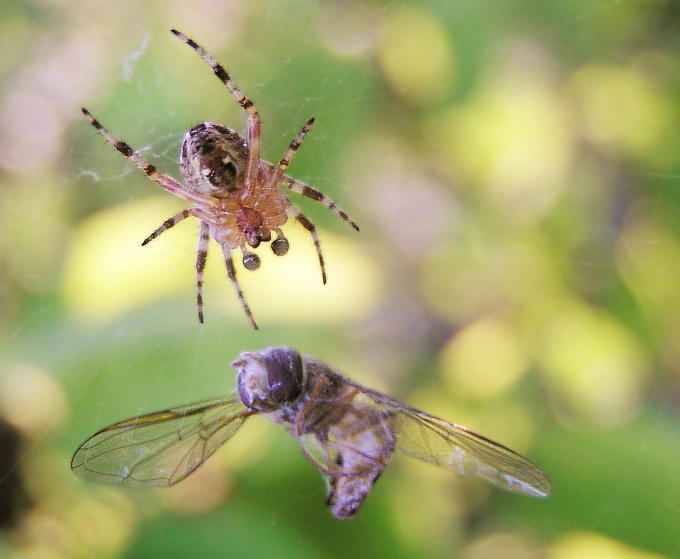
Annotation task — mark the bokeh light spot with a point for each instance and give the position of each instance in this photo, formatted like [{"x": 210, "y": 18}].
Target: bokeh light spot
[
  {"x": 587, "y": 545},
  {"x": 31, "y": 399},
  {"x": 416, "y": 57},
  {"x": 484, "y": 360},
  {"x": 513, "y": 137},
  {"x": 596, "y": 365},
  {"x": 109, "y": 273},
  {"x": 622, "y": 110}
]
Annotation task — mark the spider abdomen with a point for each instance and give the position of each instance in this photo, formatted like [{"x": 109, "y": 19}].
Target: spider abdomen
[{"x": 213, "y": 159}]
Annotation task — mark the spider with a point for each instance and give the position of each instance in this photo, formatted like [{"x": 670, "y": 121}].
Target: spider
[{"x": 235, "y": 194}]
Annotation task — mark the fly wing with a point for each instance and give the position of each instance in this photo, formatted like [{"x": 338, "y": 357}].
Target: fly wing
[
  {"x": 459, "y": 450},
  {"x": 159, "y": 449}
]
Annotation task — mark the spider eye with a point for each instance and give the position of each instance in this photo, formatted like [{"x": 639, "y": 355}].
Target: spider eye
[
  {"x": 280, "y": 246},
  {"x": 251, "y": 261}
]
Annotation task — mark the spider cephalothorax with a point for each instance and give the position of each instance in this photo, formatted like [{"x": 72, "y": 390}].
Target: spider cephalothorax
[{"x": 235, "y": 194}]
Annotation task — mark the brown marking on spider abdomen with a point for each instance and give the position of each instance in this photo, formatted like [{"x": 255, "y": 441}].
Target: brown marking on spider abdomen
[{"x": 212, "y": 159}]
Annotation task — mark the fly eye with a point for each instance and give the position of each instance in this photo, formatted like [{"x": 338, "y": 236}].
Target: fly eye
[
  {"x": 251, "y": 261},
  {"x": 280, "y": 246}
]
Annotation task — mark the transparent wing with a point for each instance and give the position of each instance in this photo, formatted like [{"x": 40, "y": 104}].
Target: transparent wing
[
  {"x": 161, "y": 448},
  {"x": 322, "y": 456},
  {"x": 459, "y": 450},
  {"x": 456, "y": 448}
]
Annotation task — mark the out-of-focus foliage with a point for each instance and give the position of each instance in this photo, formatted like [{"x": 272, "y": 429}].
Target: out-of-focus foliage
[{"x": 515, "y": 169}]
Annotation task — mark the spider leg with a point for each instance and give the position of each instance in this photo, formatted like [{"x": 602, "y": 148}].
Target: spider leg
[
  {"x": 231, "y": 272},
  {"x": 254, "y": 143},
  {"x": 309, "y": 192},
  {"x": 168, "y": 223},
  {"x": 201, "y": 257},
  {"x": 290, "y": 152},
  {"x": 162, "y": 180},
  {"x": 307, "y": 224}
]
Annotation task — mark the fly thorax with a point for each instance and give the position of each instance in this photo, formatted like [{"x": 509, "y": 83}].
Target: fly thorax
[
  {"x": 213, "y": 159},
  {"x": 270, "y": 378}
]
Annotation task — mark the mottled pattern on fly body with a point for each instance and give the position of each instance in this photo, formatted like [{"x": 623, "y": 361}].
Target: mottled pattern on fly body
[
  {"x": 341, "y": 431},
  {"x": 352, "y": 451},
  {"x": 234, "y": 192},
  {"x": 347, "y": 431}
]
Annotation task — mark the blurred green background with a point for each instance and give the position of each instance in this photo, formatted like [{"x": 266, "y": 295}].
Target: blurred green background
[{"x": 515, "y": 168}]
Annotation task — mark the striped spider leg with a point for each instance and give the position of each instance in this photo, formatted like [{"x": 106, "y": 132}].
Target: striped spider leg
[{"x": 236, "y": 195}]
